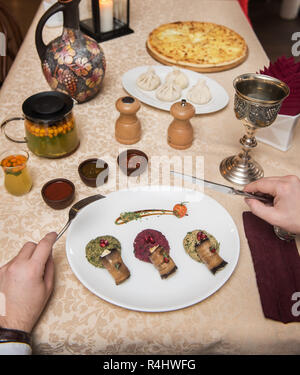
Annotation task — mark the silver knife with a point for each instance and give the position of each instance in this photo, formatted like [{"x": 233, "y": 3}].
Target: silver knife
[{"x": 265, "y": 198}]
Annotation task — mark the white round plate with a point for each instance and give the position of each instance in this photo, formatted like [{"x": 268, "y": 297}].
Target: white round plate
[
  {"x": 145, "y": 290},
  {"x": 219, "y": 95}
]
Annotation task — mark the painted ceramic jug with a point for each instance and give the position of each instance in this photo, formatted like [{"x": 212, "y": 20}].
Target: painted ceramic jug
[{"x": 73, "y": 63}]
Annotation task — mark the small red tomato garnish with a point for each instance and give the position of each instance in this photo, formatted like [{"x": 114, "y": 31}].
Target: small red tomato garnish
[
  {"x": 213, "y": 250},
  {"x": 179, "y": 210},
  {"x": 166, "y": 260}
]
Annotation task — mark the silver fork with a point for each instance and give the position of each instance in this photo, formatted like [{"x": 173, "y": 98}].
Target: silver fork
[{"x": 75, "y": 208}]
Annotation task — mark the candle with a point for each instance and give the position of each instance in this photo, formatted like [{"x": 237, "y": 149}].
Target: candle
[{"x": 106, "y": 15}]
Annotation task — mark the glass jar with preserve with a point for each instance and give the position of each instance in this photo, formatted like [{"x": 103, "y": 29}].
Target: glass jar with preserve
[{"x": 49, "y": 125}]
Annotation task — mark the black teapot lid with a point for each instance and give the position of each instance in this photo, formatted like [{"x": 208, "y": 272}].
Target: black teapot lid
[{"x": 48, "y": 106}]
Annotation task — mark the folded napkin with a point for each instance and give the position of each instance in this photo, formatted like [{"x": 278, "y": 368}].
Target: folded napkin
[
  {"x": 277, "y": 268},
  {"x": 280, "y": 134},
  {"x": 288, "y": 71}
]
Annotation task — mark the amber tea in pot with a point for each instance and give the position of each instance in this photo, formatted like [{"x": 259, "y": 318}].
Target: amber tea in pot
[{"x": 49, "y": 125}]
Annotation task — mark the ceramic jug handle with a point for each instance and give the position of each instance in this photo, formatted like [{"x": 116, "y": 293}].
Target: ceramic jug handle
[
  {"x": 3, "y": 125},
  {"x": 40, "y": 45}
]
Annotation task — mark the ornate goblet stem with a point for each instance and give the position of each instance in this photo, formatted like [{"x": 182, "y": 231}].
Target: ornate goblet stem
[
  {"x": 257, "y": 102},
  {"x": 242, "y": 169}
]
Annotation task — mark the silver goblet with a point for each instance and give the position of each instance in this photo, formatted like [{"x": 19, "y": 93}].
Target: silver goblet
[{"x": 257, "y": 102}]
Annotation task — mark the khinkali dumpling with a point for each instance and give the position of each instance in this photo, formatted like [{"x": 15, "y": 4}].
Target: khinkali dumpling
[
  {"x": 179, "y": 77},
  {"x": 168, "y": 92},
  {"x": 200, "y": 93},
  {"x": 149, "y": 80}
]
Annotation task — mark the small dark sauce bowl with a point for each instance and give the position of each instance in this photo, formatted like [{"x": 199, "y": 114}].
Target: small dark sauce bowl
[
  {"x": 133, "y": 162},
  {"x": 92, "y": 181},
  {"x": 59, "y": 204}
]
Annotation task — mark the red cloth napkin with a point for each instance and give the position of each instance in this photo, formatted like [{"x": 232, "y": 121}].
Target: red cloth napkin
[
  {"x": 244, "y": 6},
  {"x": 277, "y": 268},
  {"x": 288, "y": 71}
]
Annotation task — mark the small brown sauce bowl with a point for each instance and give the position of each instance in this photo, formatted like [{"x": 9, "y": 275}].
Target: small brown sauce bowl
[
  {"x": 89, "y": 172},
  {"x": 58, "y": 193},
  {"x": 133, "y": 162}
]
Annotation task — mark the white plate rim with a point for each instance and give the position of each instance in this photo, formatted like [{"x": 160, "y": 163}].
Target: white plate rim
[
  {"x": 162, "y": 309},
  {"x": 162, "y": 70}
]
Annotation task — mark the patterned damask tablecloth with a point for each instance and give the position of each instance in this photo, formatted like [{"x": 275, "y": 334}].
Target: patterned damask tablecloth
[{"x": 76, "y": 321}]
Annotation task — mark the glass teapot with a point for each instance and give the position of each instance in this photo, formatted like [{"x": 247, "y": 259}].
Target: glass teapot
[{"x": 49, "y": 123}]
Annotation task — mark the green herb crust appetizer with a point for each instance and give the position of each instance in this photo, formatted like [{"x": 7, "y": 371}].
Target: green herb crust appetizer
[
  {"x": 95, "y": 248},
  {"x": 105, "y": 252},
  {"x": 203, "y": 247},
  {"x": 162, "y": 261}
]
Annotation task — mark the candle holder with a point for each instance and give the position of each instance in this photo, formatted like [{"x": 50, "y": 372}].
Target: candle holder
[
  {"x": 105, "y": 19},
  {"x": 257, "y": 102}
]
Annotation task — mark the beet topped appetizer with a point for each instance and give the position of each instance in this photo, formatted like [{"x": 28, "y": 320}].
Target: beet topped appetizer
[
  {"x": 162, "y": 261},
  {"x": 204, "y": 248},
  {"x": 105, "y": 252},
  {"x": 152, "y": 246},
  {"x": 145, "y": 240}
]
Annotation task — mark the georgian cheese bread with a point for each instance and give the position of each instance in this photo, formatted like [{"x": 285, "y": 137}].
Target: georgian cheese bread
[{"x": 201, "y": 46}]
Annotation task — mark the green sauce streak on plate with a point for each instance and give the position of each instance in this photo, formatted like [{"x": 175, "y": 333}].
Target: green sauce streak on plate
[{"x": 129, "y": 216}]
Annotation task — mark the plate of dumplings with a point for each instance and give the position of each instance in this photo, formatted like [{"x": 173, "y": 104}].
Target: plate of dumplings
[{"x": 162, "y": 86}]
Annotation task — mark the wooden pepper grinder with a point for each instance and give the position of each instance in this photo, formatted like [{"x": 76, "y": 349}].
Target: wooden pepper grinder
[
  {"x": 128, "y": 127},
  {"x": 180, "y": 132}
]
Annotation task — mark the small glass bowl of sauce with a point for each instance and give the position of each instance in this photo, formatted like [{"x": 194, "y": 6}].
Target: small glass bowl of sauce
[
  {"x": 58, "y": 193},
  {"x": 93, "y": 172}
]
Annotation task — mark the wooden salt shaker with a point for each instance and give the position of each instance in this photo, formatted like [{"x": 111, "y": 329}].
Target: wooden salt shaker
[
  {"x": 128, "y": 127},
  {"x": 180, "y": 132}
]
